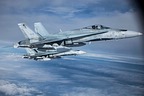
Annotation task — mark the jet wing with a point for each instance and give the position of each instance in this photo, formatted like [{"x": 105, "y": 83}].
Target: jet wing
[
  {"x": 51, "y": 41},
  {"x": 54, "y": 50}
]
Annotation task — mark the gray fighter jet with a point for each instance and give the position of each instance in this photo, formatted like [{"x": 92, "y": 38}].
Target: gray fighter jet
[
  {"x": 56, "y": 52},
  {"x": 41, "y": 42}
]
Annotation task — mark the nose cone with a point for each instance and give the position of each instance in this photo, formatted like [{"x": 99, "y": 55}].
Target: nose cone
[
  {"x": 80, "y": 52},
  {"x": 132, "y": 34},
  {"x": 139, "y": 33}
]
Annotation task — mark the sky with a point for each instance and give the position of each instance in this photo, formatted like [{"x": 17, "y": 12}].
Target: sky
[
  {"x": 117, "y": 62},
  {"x": 71, "y": 14}
]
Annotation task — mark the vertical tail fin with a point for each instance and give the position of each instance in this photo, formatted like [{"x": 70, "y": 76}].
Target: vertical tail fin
[
  {"x": 28, "y": 33},
  {"x": 40, "y": 29}
]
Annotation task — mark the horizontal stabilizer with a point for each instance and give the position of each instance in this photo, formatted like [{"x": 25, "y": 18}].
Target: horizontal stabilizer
[{"x": 31, "y": 51}]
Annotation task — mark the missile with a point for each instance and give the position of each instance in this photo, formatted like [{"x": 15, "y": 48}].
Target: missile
[{"x": 71, "y": 52}]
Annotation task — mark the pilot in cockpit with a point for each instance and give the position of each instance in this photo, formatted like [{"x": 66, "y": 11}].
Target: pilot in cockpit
[{"x": 97, "y": 27}]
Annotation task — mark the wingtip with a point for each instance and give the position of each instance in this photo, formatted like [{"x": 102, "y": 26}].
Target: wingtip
[{"x": 19, "y": 24}]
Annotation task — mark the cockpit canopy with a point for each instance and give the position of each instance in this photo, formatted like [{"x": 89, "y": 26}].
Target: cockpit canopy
[{"x": 96, "y": 27}]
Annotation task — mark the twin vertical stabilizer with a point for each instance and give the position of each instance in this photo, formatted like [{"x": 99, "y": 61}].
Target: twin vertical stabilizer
[
  {"x": 40, "y": 32},
  {"x": 29, "y": 33},
  {"x": 39, "y": 29}
]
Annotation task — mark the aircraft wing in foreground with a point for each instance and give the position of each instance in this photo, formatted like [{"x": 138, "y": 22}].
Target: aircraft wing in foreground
[{"x": 44, "y": 44}]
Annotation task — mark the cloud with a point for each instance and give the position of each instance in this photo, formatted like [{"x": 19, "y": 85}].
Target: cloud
[
  {"x": 66, "y": 12},
  {"x": 84, "y": 92},
  {"x": 93, "y": 76},
  {"x": 13, "y": 56},
  {"x": 116, "y": 58},
  {"x": 6, "y": 44},
  {"x": 38, "y": 75},
  {"x": 13, "y": 89},
  {"x": 42, "y": 75},
  {"x": 87, "y": 7},
  {"x": 110, "y": 91}
]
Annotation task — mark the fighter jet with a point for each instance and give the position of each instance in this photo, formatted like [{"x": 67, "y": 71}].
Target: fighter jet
[
  {"x": 46, "y": 55},
  {"x": 41, "y": 40},
  {"x": 77, "y": 37}
]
